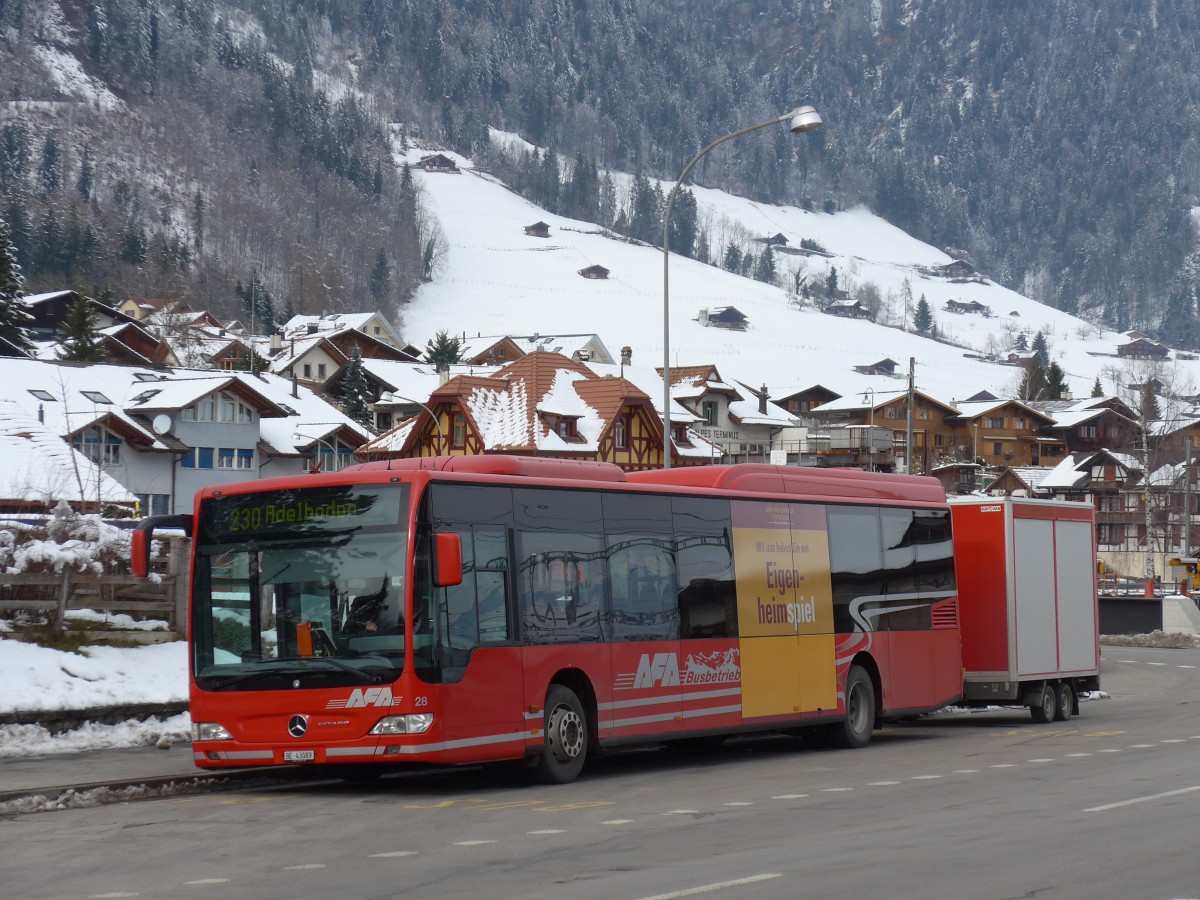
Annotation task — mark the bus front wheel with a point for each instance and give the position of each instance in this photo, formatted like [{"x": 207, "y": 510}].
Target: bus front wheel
[
  {"x": 564, "y": 749},
  {"x": 855, "y": 730}
]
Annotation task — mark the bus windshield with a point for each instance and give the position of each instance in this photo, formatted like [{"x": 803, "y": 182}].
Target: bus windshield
[{"x": 300, "y": 588}]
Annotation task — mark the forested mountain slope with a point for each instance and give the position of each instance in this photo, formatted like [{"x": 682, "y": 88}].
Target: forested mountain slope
[{"x": 176, "y": 146}]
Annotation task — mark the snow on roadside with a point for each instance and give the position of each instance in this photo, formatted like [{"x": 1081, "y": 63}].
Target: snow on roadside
[{"x": 34, "y": 740}]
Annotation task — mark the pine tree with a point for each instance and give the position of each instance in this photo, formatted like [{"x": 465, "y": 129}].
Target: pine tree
[
  {"x": 1097, "y": 388},
  {"x": 258, "y": 304},
  {"x": 1041, "y": 350},
  {"x": 87, "y": 172},
  {"x": 1148, "y": 407},
  {"x": 923, "y": 318},
  {"x": 381, "y": 280},
  {"x": 1056, "y": 382},
  {"x": 682, "y": 227},
  {"x": 15, "y": 319},
  {"x": 831, "y": 282},
  {"x": 764, "y": 266},
  {"x": 81, "y": 342},
  {"x": 354, "y": 389},
  {"x": 442, "y": 350},
  {"x": 732, "y": 261}
]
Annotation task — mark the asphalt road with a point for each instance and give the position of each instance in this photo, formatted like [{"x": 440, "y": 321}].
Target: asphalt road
[{"x": 963, "y": 806}]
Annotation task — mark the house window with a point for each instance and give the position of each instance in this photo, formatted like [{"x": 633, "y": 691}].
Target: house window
[
  {"x": 245, "y": 459},
  {"x": 96, "y": 397},
  {"x": 40, "y": 394},
  {"x": 376, "y": 329},
  {"x": 620, "y": 438},
  {"x": 197, "y": 458},
  {"x": 997, "y": 449},
  {"x": 1019, "y": 423},
  {"x": 564, "y": 428},
  {"x": 708, "y": 409},
  {"x": 1108, "y": 534},
  {"x": 99, "y": 445},
  {"x": 228, "y": 407},
  {"x": 206, "y": 409},
  {"x": 245, "y": 414},
  {"x": 993, "y": 421},
  {"x": 225, "y": 458},
  {"x": 308, "y": 371},
  {"x": 922, "y": 413},
  {"x": 458, "y": 433},
  {"x": 154, "y": 504},
  {"x": 320, "y": 371},
  {"x": 1087, "y": 431},
  {"x": 939, "y": 440},
  {"x": 383, "y": 421},
  {"x": 679, "y": 434}
]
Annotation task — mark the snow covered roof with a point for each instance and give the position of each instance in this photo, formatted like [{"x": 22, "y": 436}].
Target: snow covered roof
[{"x": 41, "y": 468}]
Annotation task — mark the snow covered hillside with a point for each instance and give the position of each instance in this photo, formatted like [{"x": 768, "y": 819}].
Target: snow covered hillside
[{"x": 495, "y": 279}]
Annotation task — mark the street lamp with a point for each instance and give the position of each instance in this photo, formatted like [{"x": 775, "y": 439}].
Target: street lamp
[
  {"x": 870, "y": 429},
  {"x": 391, "y": 396},
  {"x": 297, "y": 437},
  {"x": 800, "y": 120}
]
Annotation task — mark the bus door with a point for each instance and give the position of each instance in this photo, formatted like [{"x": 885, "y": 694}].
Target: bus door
[{"x": 478, "y": 660}]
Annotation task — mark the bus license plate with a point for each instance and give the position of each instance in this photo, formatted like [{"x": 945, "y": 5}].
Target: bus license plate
[{"x": 299, "y": 755}]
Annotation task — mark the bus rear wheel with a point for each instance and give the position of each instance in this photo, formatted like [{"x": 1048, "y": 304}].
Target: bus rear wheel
[
  {"x": 854, "y": 731},
  {"x": 564, "y": 749}
]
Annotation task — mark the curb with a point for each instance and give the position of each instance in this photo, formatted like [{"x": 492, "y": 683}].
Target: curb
[{"x": 59, "y": 720}]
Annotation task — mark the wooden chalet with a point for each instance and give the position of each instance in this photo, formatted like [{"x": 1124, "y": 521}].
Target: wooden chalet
[
  {"x": 1143, "y": 348},
  {"x": 886, "y": 366},
  {"x": 802, "y": 402},
  {"x": 438, "y": 162},
  {"x": 538, "y": 230},
  {"x": 724, "y": 317},
  {"x": 1006, "y": 433},
  {"x": 594, "y": 272},
  {"x": 543, "y": 404},
  {"x": 967, "y": 306},
  {"x": 848, "y": 309}
]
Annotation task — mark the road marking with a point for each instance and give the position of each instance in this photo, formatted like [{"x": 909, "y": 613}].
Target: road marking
[
  {"x": 1003, "y": 766},
  {"x": 925, "y": 777},
  {"x": 716, "y": 886},
  {"x": 1155, "y": 664},
  {"x": 1185, "y": 667},
  {"x": 1041, "y": 759},
  {"x": 471, "y": 843},
  {"x": 1139, "y": 746},
  {"x": 1079, "y": 754},
  {"x": 1111, "y": 750},
  {"x": 966, "y": 771},
  {"x": 106, "y": 896},
  {"x": 837, "y": 790},
  {"x": 1173, "y": 741},
  {"x": 580, "y": 804},
  {"x": 789, "y": 796},
  {"x": 882, "y": 783},
  {"x": 392, "y": 854},
  {"x": 547, "y": 831},
  {"x": 209, "y": 881},
  {"x": 681, "y": 812},
  {"x": 305, "y": 866},
  {"x": 1108, "y": 806},
  {"x": 617, "y": 822},
  {"x": 1103, "y": 733},
  {"x": 739, "y": 803}
]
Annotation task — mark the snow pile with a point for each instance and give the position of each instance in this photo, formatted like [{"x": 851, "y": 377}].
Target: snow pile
[
  {"x": 38, "y": 678},
  {"x": 34, "y": 740}
]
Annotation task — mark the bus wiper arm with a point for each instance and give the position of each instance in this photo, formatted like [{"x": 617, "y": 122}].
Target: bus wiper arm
[{"x": 361, "y": 674}]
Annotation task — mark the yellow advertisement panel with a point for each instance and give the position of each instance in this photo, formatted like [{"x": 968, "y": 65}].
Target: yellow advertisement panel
[{"x": 785, "y": 608}]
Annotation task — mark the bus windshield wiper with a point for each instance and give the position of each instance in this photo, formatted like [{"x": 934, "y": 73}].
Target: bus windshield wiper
[{"x": 363, "y": 675}]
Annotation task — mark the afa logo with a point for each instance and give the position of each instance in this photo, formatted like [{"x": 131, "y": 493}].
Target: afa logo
[
  {"x": 363, "y": 697},
  {"x": 661, "y": 670}
]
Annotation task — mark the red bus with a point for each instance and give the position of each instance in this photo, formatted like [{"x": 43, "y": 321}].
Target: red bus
[{"x": 463, "y": 610}]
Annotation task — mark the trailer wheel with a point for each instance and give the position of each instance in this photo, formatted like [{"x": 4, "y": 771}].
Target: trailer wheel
[
  {"x": 855, "y": 730},
  {"x": 1064, "y": 697},
  {"x": 566, "y": 740},
  {"x": 1044, "y": 706}
]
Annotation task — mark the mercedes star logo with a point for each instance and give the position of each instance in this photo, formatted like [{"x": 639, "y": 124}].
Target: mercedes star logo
[{"x": 297, "y": 726}]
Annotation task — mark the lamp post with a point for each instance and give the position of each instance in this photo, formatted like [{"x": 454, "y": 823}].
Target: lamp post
[
  {"x": 800, "y": 120},
  {"x": 390, "y": 396},
  {"x": 297, "y": 436},
  {"x": 870, "y": 429}
]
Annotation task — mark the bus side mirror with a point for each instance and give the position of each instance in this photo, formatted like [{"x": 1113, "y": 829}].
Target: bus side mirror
[
  {"x": 448, "y": 569},
  {"x": 139, "y": 561},
  {"x": 140, "y": 558}
]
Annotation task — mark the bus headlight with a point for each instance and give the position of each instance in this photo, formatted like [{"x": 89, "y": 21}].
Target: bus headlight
[
  {"x": 413, "y": 723},
  {"x": 210, "y": 731}
]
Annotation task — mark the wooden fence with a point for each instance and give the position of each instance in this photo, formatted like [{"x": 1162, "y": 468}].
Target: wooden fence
[{"x": 58, "y": 593}]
